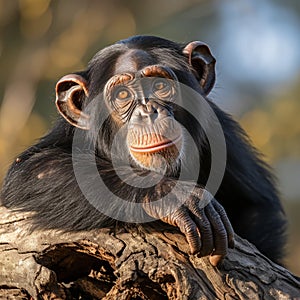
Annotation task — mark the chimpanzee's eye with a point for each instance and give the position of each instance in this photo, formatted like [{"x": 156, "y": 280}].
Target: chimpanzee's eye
[
  {"x": 123, "y": 94},
  {"x": 162, "y": 88}
]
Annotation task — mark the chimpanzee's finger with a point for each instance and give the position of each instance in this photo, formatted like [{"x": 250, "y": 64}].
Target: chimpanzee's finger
[
  {"x": 188, "y": 227},
  {"x": 204, "y": 228},
  {"x": 220, "y": 235},
  {"x": 230, "y": 233}
]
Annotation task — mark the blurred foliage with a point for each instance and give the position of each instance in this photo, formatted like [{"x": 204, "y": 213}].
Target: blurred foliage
[
  {"x": 274, "y": 127},
  {"x": 42, "y": 40}
]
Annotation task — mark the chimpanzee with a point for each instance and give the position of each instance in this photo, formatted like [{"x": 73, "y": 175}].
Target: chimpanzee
[{"x": 146, "y": 98}]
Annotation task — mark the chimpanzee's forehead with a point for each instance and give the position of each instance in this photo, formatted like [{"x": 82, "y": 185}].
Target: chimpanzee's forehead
[{"x": 132, "y": 61}]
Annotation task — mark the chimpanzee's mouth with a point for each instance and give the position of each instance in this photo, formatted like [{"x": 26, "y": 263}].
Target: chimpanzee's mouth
[{"x": 158, "y": 146}]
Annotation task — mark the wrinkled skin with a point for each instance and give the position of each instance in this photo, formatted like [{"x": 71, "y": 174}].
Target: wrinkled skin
[{"x": 136, "y": 81}]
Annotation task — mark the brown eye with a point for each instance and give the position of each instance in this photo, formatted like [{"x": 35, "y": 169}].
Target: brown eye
[
  {"x": 162, "y": 88},
  {"x": 159, "y": 85},
  {"x": 123, "y": 94}
]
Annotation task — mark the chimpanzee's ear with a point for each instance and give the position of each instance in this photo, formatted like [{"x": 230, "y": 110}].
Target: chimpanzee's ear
[
  {"x": 202, "y": 61},
  {"x": 71, "y": 90}
]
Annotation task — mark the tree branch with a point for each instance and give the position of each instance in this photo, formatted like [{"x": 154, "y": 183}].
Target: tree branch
[{"x": 128, "y": 263}]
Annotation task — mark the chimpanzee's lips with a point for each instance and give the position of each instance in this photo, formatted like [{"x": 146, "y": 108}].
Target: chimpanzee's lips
[{"x": 156, "y": 147}]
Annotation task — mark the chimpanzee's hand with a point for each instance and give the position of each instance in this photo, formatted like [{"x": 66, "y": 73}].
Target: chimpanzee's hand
[{"x": 204, "y": 223}]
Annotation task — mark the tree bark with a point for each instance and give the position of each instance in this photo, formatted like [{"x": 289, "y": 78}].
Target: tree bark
[{"x": 137, "y": 262}]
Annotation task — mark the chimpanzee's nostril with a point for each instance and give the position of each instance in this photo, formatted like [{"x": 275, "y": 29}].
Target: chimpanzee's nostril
[{"x": 150, "y": 108}]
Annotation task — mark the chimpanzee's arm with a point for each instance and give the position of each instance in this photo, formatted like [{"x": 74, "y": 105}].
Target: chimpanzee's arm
[{"x": 44, "y": 183}]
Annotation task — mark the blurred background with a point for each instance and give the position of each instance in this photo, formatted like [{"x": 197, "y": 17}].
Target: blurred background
[{"x": 256, "y": 43}]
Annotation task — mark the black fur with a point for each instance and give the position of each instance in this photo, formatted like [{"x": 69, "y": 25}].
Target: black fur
[{"x": 248, "y": 191}]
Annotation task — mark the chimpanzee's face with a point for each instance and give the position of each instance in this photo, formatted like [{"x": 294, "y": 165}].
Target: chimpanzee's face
[
  {"x": 141, "y": 90},
  {"x": 141, "y": 95}
]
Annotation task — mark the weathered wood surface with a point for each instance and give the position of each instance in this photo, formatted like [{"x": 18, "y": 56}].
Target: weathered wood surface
[{"x": 128, "y": 263}]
